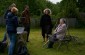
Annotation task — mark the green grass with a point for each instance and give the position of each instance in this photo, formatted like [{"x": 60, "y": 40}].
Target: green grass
[{"x": 35, "y": 45}]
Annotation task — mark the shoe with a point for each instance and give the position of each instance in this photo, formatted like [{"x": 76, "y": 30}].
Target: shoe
[
  {"x": 49, "y": 47},
  {"x": 27, "y": 41}
]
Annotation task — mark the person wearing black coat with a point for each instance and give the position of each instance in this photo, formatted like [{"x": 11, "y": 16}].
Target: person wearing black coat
[{"x": 46, "y": 24}]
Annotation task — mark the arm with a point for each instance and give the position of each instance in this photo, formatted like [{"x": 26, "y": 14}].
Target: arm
[
  {"x": 22, "y": 17},
  {"x": 55, "y": 31},
  {"x": 51, "y": 22},
  {"x": 15, "y": 21},
  {"x": 5, "y": 14},
  {"x": 28, "y": 16},
  {"x": 61, "y": 29},
  {"x": 41, "y": 21}
]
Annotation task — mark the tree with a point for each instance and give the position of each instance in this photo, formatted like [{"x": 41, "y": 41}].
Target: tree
[
  {"x": 81, "y": 5},
  {"x": 68, "y": 8}
]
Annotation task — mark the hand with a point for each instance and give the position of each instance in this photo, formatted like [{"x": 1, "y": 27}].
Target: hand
[{"x": 54, "y": 31}]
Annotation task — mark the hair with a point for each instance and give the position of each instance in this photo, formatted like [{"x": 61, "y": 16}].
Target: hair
[
  {"x": 64, "y": 20},
  {"x": 26, "y": 9},
  {"x": 14, "y": 9},
  {"x": 49, "y": 11},
  {"x": 13, "y": 5}
]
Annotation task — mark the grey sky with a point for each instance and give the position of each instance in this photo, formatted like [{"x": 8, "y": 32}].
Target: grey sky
[{"x": 55, "y": 1}]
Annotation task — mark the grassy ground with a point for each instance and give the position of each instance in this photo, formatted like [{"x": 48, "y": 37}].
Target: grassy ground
[{"x": 36, "y": 44}]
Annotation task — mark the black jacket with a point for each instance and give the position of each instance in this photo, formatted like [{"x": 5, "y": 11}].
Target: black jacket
[
  {"x": 6, "y": 13},
  {"x": 45, "y": 21},
  {"x": 11, "y": 23}
]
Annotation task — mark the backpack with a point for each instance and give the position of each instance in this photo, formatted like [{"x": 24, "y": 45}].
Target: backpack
[{"x": 22, "y": 49}]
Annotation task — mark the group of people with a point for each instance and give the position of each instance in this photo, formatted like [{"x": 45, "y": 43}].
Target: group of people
[
  {"x": 12, "y": 22},
  {"x": 45, "y": 24}
]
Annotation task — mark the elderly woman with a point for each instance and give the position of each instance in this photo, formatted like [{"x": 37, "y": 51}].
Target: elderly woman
[
  {"x": 25, "y": 20},
  {"x": 11, "y": 26},
  {"x": 46, "y": 24},
  {"x": 59, "y": 33}
]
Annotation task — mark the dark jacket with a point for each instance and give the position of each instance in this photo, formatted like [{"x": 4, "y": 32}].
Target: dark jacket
[
  {"x": 6, "y": 13},
  {"x": 11, "y": 23},
  {"x": 25, "y": 17},
  {"x": 46, "y": 24},
  {"x": 45, "y": 21}
]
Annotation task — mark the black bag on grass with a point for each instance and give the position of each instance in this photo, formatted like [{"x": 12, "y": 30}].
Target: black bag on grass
[
  {"x": 2, "y": 46},
  {"x": 22, "y": 49}
]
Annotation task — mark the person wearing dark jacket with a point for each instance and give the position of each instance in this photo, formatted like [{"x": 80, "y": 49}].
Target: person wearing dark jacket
[
  {"x": 25, "y": 20},
  {"x": 5, "y": 16},
  {"x": 46, "y": 24},
  {"x": 11, "y": 26}
]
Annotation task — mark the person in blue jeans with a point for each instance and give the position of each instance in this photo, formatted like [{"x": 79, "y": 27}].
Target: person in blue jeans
[
  {"x": 11, "y": 26},
  {"x": 5, "y": 16}
]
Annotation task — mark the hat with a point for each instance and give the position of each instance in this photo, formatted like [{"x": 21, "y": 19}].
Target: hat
[{"x": 47, "y": 9}]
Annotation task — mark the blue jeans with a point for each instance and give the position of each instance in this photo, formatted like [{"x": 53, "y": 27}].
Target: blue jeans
[{"x": 12, "y": 38}]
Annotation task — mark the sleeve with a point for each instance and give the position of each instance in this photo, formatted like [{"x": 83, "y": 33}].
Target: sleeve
[
  {"x": 15, "y": 21},
  {"x": 22, "y": 17},
  {"x": 50, "y": 20},
  {"x": 22, "y": 14},
  {"x": 9, "y": 15},
  {"x": 29, "y": 17},
  {"x": 62, "y": 29},
  {"x": 41, "y": 21},
  {"x": 55, "y": 31},
  {"x": 5, "y": 14}
]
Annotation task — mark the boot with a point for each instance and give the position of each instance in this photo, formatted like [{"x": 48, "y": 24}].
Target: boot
[{"x": 50, "y": 44}]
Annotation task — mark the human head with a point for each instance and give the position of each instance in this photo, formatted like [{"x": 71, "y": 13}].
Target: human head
[
  {"x": 12, "y": 5},
  {"x": 26, "y": 7},
  {"x": 62, "y": 20},
  {"x": 14, "y": 10},
  {"x": 47, "y": 11}
]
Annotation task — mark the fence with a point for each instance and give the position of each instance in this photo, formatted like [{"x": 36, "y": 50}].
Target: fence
[
  {"x": 35, "y": 22},
  {"x": 2, "y": 21}
]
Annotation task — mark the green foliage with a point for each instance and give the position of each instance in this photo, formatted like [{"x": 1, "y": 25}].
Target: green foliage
[
  {"x": 36, "y": 6},
  {"x": 68, "y": 8},
  {"x": 81, "y": 5}
]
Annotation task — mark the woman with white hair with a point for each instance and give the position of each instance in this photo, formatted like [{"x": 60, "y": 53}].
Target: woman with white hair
[
  {"x": 46, "y": 24},
  {"x": 59, "y": 33},
  {"x": 11, "y": 26}
]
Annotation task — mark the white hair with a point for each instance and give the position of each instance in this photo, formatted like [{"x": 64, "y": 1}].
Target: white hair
[{"x": 64, "y": 20}]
